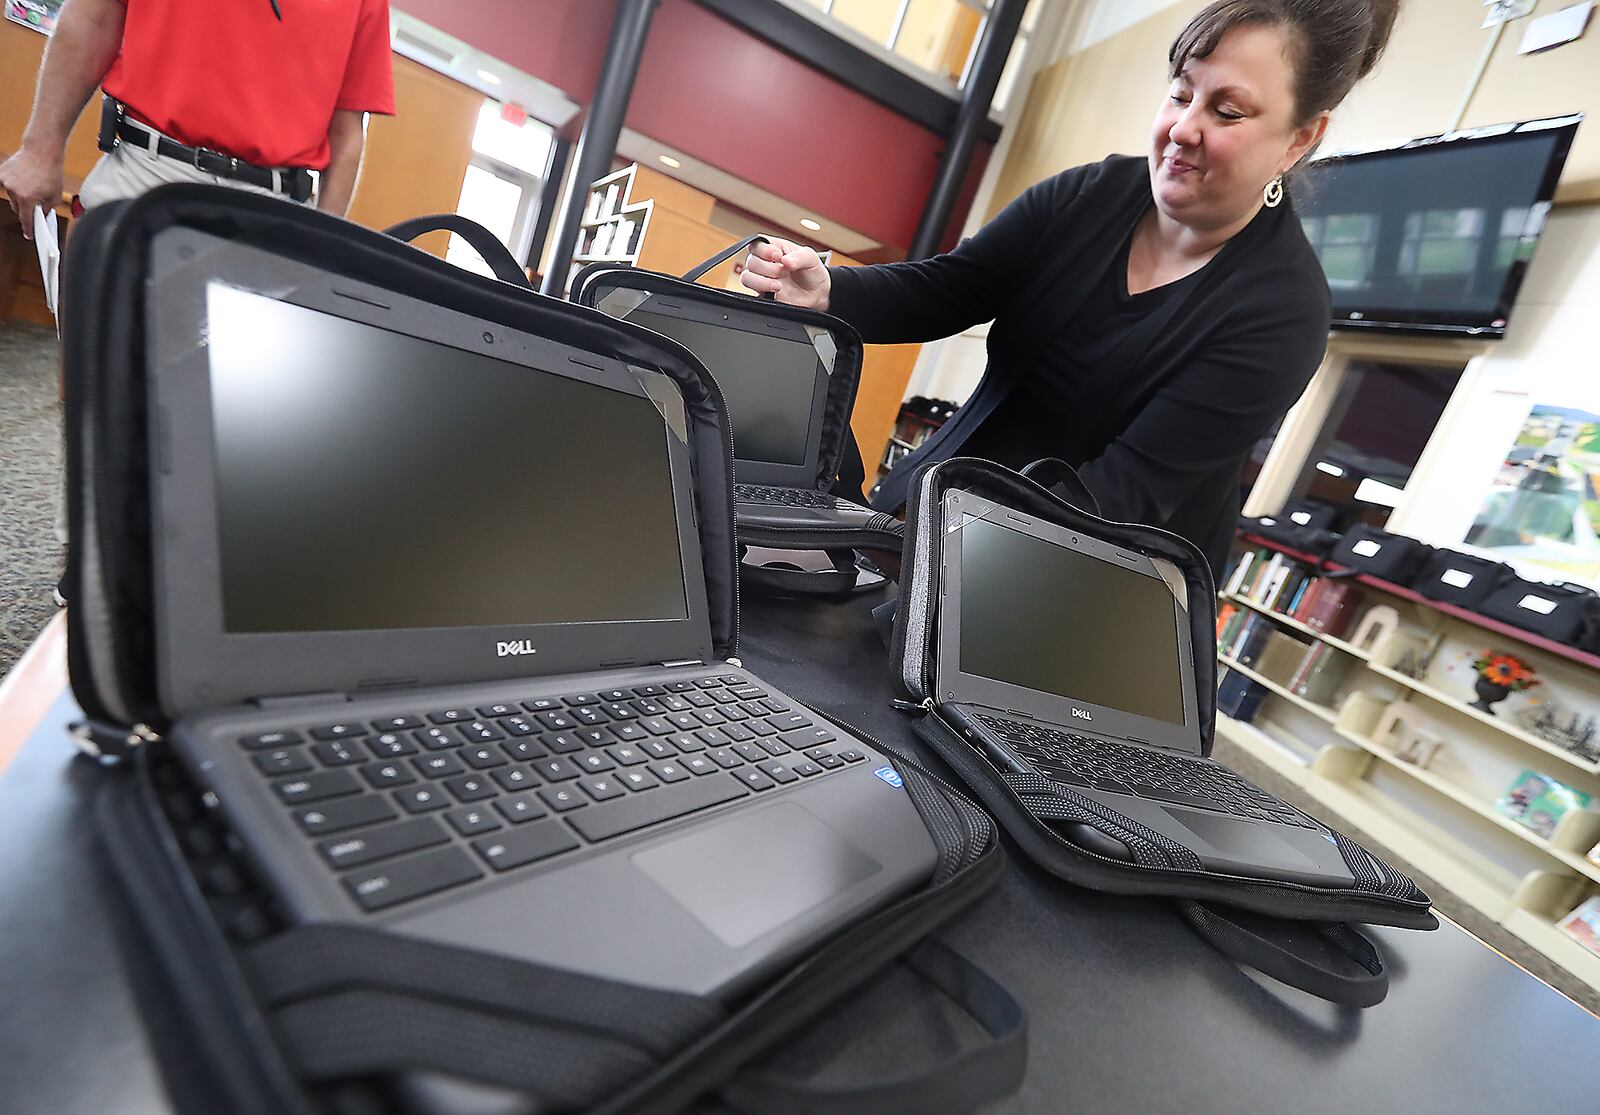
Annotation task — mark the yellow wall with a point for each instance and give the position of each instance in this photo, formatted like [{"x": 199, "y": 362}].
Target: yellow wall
[
  {"x": 20, "y": 53},
  {"x": 1101, "y": 100}
]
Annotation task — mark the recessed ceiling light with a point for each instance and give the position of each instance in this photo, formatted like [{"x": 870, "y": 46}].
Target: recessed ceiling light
[
  {"x": 670, "y": 161},
  {"x": 491, "y": 78},
  {"x": 807, "y": 222}
]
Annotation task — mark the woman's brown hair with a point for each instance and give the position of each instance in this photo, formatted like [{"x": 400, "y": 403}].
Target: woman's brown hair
[{"x": 1335, "y": 42}]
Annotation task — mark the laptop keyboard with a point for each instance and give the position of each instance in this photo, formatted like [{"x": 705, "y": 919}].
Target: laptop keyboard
[
  {"x": 1080, "y": 761},
  {"x": 791, "y": 497},
  {"x": 417, "y": 802}
]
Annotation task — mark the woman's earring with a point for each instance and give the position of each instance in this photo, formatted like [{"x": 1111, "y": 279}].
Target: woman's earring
[{"x": 1273, "y": 194}]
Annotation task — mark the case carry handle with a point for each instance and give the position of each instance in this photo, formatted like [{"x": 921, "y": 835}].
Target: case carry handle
[
  {"x": 485, "y": 243},
  {"x": 954, "y": 1086},
  {"x": 699, "y": 269},
  {"x": 1250, "y": 948},
  {"x": 1062, "y": 481}
]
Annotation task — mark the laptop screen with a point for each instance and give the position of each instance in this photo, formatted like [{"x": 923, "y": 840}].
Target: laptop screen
[
  {"x": 369, "y": 480},
  {"x": 1050, "y": 618},
  {"x": 768, "y": 383}
]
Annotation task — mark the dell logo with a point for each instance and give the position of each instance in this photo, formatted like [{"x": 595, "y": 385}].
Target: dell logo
[
  {"x": 1081, "y": 714},
  {"x": 515, "y": 646}
]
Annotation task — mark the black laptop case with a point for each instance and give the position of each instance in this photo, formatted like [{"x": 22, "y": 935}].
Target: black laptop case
[
  {"x": 351, "y": 1018},
  {"x": 839, "y": 470},
  {"x": 1255, "y": 921}
]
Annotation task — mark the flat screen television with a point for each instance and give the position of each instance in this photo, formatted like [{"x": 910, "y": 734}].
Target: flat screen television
[{"x": 1433, "y": 236}]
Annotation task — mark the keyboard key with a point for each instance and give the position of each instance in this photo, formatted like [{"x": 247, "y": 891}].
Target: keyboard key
[
  {"x": 562, "y": 743},
  {"x": 470, "y": 820},
  {"x": 381, "y": 887},
  {"x": 343, "y": 730},
  {"x": 525, "y": 845},
  {"x": 523, "y": 750},
  {"x": 614, "y": 694},
  {"x": 516, "y": 725},
  {"x": 749, "y": 692},
  {"x": 648, "y": 691},
  {"x": 700, "y": 764},
  {"x": 636, "y": 811},
  {"x": 710, "y": 716},
  {"x": 775, "y": 705},
  {"x": 590, "y": 715},
  {"x": 602, "y": 789},
  {"x": 762, "y": 728},
  {"x": 629, "y": 732},
  {"x": 638, "y": 778},
  {"x": 673, "y": 703},
  {"x": 709, "y": 683},
  {"x": 381, "y": 776},
  {"x": 679, "y": 686},
  {"x": 285, "y": 760},
  {"x": 562, "y": 798},
  {"x": 450, "y": 715},
  {"x": 669, "y": 771},
  {"x": 778, "y": 772},
  {"x": 734, "y": 679},
  {"x": 396, "y": 723},
  {"x": 520, "y": 807},
  {"x": 555, "y": 721},
  {"x": 498, "y": 710},
  {"x": 755, "y": 708},
  {"x": 750, "y": 750},
  {"x": 437, "y": 739},
  {"x": 627, "y": 755},
  {"x": 337, "y": 753},
  {"x": 685, "y": 742},
  {"x": 438, "y": 766},
  {"x": 789, "y": 720},
  {"x": 805, "y": 768},
  {"x": 594, "y": 737},
  {"x": 829, "y": 762},
  {"x": 724, "y": 757},
  {"x": 336, "y": 816},
  {"x": 318, "y": 787},
  {"x": 699, "y": 700},
  {"x": 713, "y": 737},
  {"x": 658, "y": 749},
  {"x": 479, "y": 731},
  {"x": 851, "y": 755},
  {"x": 724, "y": 697},
  {"x": 470, "y": 787},
  {"x": 657, "y": 726},
  {"x": 802, "y": 738},
  {"x": 269, "y": 739},
  {"x": 595, "y": 762},
  {"x": 548, "y": 704},
  {"x": 515, "y": 778},
  {"x": 733, "y": 712},
  {"x": 421, "y": 799},
  {"x": 620, "y": 712},
  {"x": 752, "y": 777},
  {"x": 772, "y": 745},
  {"x": 381, "y": 843},
  {"x": 482, "y": 758},
  {"x": 687, "y": 721},
  {"x": 556, "y": 770},
  {"x": 577, "y": 700}
]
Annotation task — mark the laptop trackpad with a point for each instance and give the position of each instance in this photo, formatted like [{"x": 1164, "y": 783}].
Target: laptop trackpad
[
  {"x": 1239, "y": 839},
  {"x": 756, "y": 872}
]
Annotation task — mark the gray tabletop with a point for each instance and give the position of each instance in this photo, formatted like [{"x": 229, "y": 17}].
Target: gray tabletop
[{"x": 1129, "y": 1010}]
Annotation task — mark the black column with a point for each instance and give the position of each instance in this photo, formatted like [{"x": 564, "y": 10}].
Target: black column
[
  {"x": 597, "y": 146},
  {"x": 999, "y": 32},
  {"x": 555, "y": 173}
]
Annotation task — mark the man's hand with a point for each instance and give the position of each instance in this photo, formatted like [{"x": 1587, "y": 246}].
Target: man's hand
[{"x": 33, "y": 178}]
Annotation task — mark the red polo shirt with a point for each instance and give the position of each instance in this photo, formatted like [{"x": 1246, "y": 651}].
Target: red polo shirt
[{"x": 231, "y": 76}]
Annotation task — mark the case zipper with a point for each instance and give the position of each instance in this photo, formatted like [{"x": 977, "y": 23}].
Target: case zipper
[
  {"x": 100, "y": 740},
  {"x": 915, "y": 708}
]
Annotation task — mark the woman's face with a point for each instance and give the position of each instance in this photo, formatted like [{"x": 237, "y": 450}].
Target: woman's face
[{"x": 1227, "y": 129}]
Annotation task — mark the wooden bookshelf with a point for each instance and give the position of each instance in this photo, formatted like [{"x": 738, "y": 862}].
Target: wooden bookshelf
[{"x": 1442, "y": 818}]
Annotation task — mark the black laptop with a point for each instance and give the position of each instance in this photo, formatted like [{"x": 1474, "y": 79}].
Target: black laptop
[
  {"x": 432, "y": 620},
  {"x": 775, "y": 374},
  {"x": 1066, "y": 656}
]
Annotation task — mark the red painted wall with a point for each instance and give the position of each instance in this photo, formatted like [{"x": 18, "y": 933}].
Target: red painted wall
[{"x": 708, "y": 88}]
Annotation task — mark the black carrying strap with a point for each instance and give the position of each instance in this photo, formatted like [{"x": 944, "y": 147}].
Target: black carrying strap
[
  {"x": 842, "y": 580},
  {"x": 1062, "y": 480},
  {"x": 485, "y": 243},
  {"x": 1250, "y": 948},
  {"x": 705, "y": 265},
  {"x": 958, "y": 1084}
]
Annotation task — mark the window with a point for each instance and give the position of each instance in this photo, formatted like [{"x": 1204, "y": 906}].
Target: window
[{"x": 503, "y": 181}]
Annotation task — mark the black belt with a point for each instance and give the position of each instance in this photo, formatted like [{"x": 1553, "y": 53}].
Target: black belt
[{"x": 292, "y": 182}]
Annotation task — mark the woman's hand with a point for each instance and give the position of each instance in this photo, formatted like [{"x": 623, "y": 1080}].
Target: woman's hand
[{"x": 794, "y": 273}]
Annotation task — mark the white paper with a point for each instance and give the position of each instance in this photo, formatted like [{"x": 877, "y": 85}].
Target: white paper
[
  {"x": 1556, "y": 28},
  {"x": 48, "y": 245}
]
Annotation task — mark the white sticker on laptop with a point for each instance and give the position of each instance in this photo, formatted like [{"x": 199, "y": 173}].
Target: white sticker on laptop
[
  {"x": 1366, "y": 547},
  {"x": 1537, "y": 604},
  {"x": 1456, "y": 578}
]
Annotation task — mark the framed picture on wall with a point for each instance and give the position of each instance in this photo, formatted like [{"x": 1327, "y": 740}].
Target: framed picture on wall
[
  {"x": 40, "y": 15},
  {"x": 1544, "y": 504}
]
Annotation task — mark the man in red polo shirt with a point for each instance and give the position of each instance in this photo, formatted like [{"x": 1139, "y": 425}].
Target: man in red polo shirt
[{"x": 247, "y": 93}]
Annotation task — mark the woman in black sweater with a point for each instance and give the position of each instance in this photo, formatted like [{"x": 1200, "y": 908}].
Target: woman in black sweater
[{"x": 1153, "y": 317}]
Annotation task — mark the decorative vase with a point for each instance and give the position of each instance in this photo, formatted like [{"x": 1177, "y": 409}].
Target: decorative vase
[{"x": 1488, "y": 693}]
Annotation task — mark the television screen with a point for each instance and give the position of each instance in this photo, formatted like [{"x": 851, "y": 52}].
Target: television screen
[{"x": 1434, "y": 235}]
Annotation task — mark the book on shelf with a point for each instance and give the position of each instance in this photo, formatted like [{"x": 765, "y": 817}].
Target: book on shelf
[
  {"x": 1308, "y": 599},
  {"x": 1279, "y": 657},
  {"x": 1238, "y": 696},
  {"x": 1250, "y": 640},
  {"x": 1538, "y": 802},
  {"x": 1240, "y": 571},
  {"x": 1583, "y": 924},
  {"x": 1336, "y": 608},
  {"x": 1319, "y": 675},
  {"x": 1225, "y": 616}
]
